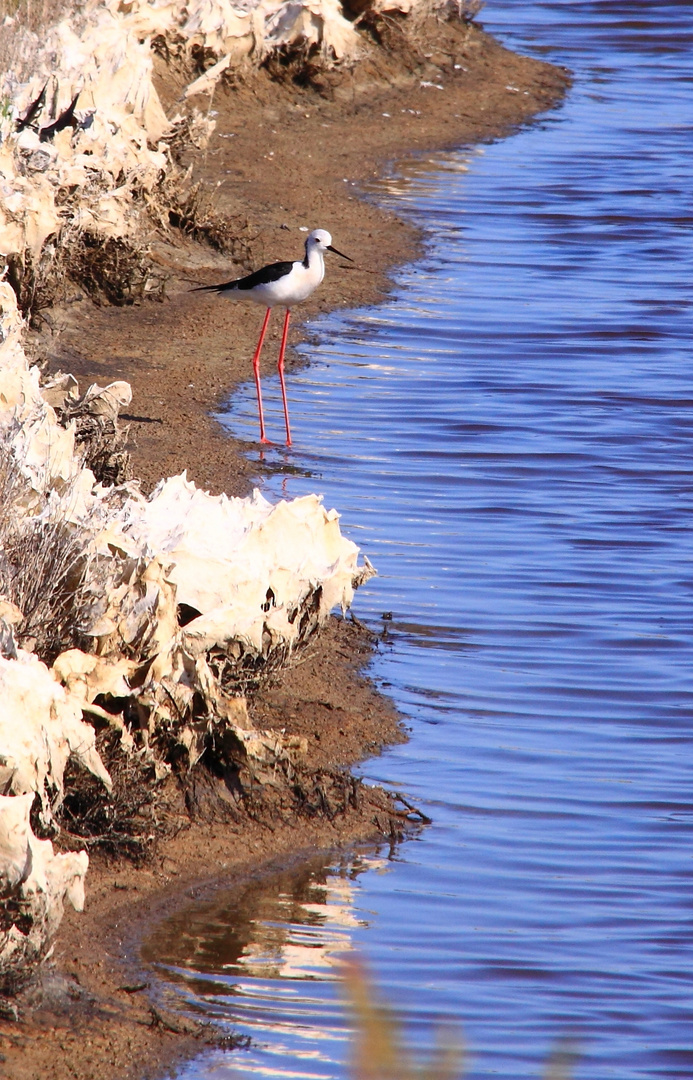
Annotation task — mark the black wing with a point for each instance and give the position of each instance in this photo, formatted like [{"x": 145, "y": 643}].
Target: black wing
[{"x": 261, "y": 277}]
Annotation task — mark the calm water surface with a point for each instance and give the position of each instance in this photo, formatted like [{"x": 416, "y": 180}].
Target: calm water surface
[{"x": 510, "y": 439}]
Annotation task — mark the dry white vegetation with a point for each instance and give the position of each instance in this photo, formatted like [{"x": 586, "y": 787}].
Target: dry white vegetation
[{"x": 148, "y": 615}]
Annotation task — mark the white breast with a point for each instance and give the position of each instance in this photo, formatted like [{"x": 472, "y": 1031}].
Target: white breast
[{"x": 300, "y": 283}]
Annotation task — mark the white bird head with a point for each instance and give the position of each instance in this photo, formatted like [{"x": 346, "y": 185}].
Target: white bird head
[{"x": 320, "y": 240}]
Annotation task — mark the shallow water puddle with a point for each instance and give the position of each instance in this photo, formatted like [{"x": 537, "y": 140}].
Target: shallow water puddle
[
  {"x": 510, "y": 440},
  {"x": 264, "y": 960}
]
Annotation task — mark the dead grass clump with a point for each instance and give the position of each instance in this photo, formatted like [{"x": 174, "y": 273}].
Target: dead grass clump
[
  {"x": 45, "y": 569},
  {"x": 101, "y": 444},
  {"x": 243, "y": 671},
  {"x": 411, "y": 37},
  {"x": 118, "y": 270},
  {"x": 110, "y": 269},
  {"x": 192, "y": 212},
  {"x": 299, "y": 65},
  {"x": 42, "y": 568},
  {"x": 19, "y": 969},
  {"x": 128, "y": 820},
  {"x": 222, "y": 786},
  {"x": 326, "y": 793},
  {"x": 36, "y": 283},
  {"x": 225, "y": 786},
  {"x": 99, "y": 441},
  {"x": 322, "y": 794},
  {"x": 310, "y": 794}
]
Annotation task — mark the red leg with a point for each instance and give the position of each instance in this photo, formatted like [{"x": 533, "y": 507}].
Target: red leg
[
  {"x": 256, "y": 370},
  {"x": 280, "y": 367}
]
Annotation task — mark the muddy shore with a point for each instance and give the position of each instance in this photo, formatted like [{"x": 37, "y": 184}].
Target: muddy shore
[{"x": 282, "y": 155}]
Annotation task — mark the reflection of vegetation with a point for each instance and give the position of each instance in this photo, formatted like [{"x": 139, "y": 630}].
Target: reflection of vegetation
[
  {"x": 379, "y": 1052},
  {"x": 253, "y": 929}
]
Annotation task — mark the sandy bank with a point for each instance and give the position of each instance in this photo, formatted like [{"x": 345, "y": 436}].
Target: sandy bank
[{"x": 282, "y": 153}]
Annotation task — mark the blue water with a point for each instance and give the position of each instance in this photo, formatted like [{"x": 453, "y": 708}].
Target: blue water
[{"x": 510, "y": 440}]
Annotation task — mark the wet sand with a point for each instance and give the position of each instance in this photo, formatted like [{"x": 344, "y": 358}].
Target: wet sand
[{"x": 281, "y": 155}]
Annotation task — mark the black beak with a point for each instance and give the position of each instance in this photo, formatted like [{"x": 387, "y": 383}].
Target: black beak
[{"x": 330, "y": 248}]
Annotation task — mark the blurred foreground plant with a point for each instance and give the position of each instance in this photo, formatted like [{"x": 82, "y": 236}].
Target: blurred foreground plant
[
  {"x": 378, "y": 1049},
  {"x": 379, "y": 1052}
]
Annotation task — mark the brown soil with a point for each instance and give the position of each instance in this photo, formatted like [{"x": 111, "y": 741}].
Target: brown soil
[{"x": 280, "y": 155}]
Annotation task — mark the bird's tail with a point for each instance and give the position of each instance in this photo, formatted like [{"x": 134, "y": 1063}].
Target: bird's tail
[
  {"x": 224, "y": 286},
  {"x": 204, "y": 288}
]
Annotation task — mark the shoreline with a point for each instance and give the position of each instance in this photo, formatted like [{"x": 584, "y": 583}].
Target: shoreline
[
  {"x": 185, "y": 356},
  {"x": 177, "y": 357}
]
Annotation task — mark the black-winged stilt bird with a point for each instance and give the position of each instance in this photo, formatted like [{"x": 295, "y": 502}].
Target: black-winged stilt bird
[{"x": 280, "y": 284}]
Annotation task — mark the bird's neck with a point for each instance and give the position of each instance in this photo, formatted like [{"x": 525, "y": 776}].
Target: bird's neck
[{"x": 313, "y": 258}]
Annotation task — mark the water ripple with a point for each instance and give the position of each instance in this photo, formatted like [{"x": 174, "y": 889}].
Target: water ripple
[{"x": 510, "y": 439}]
